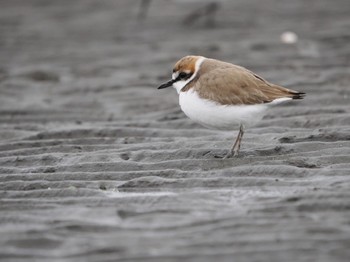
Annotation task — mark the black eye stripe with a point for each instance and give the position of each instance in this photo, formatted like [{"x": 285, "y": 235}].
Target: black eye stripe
[{"x": 184, "y": 75}]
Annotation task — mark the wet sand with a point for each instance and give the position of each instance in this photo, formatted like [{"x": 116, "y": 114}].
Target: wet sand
[{"x": 96, "y": 164}]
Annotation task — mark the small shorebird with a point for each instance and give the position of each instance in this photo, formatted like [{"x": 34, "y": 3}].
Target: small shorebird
[{"x": 224, "y": 96}]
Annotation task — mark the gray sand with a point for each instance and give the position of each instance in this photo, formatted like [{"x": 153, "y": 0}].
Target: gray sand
[{"x": 98, "y": 165}]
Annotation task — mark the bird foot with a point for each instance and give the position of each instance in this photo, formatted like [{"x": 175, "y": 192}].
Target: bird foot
[{"x": 230, "y": 154}]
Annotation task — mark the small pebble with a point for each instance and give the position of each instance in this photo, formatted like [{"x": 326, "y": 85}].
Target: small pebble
[{"x": 289, "y": 37}]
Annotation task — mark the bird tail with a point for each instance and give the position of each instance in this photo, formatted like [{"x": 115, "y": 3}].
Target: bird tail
[{"x": 296, "y": 94}]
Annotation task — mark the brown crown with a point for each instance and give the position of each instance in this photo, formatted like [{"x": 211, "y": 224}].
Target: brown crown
[{"x": 186, "y": 63}]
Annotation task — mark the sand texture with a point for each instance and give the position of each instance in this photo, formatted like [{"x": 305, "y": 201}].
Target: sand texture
[{"x": 96, "y": 164}]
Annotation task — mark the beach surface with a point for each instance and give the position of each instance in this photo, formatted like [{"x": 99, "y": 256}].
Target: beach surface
[{"x": 96, "y": 164}]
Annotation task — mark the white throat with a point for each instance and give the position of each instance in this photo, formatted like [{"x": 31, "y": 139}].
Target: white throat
[{"x": 181, "y": 84}]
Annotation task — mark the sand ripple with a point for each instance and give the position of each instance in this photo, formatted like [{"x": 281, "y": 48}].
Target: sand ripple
[{"x": 98, "y": 165}]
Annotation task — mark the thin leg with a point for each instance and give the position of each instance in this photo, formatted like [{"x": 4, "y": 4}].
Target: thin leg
[{"x": 237, "y": 145}]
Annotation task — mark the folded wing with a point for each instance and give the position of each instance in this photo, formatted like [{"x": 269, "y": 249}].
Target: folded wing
[{"x": 236, "y": 85}]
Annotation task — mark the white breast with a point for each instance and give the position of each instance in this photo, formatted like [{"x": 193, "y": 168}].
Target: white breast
[{"x": 213, "y": 115}]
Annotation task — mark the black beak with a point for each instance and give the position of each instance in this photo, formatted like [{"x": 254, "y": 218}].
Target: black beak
[{"x": 167, "y": 84}]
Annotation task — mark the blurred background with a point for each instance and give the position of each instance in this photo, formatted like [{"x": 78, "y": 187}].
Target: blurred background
[
  {"x": 96, "y": 164},
  {"x": 71, "y": 56}
]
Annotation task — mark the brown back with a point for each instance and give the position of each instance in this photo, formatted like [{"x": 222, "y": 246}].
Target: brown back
[{"x": 228, "y": 84}]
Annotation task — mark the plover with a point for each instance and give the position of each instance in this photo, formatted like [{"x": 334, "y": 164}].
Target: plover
[{"x": 224, "y": 96}]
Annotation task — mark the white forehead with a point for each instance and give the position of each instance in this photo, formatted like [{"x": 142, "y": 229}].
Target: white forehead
[{"x": 175, "y": 75}]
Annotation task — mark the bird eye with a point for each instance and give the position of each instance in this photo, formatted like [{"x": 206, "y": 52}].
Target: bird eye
[{"x": 182, "y": 75}]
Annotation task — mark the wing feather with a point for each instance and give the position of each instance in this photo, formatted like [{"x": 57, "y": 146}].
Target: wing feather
[{"x": 235, "y": 85}]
